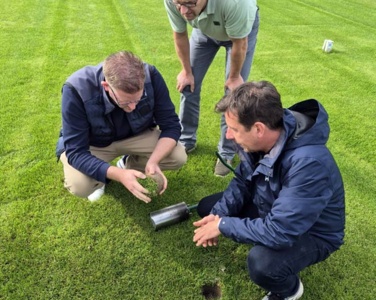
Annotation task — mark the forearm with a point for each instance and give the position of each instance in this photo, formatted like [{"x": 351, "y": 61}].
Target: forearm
[
  {"x": 238, "y": 53},
  {"x": 163, "y": 148},
  {"x": 114, "y": 173},
  {"x": 182, "y": 50}
]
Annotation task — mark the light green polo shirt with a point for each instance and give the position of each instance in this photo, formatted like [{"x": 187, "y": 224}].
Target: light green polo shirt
[{"x": 220, "y": 20}]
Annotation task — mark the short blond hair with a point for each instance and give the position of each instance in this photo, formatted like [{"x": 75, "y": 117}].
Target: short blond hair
[{"x": 124, "y": 71}]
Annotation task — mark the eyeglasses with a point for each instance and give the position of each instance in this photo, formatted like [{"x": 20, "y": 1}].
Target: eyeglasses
[
  {"x": 125, "y": 105},
  {"x": 187, "y": 4}
]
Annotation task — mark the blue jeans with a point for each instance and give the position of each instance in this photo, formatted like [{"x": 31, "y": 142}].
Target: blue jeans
[
  {"x": 203, "y": 50},
  {"x": 276, "y": 270}
]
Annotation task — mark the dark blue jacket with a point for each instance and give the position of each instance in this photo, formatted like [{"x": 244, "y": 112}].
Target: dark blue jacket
[
  {"x": 297, "y": 187},
  {"x": 91, "y": 119}
]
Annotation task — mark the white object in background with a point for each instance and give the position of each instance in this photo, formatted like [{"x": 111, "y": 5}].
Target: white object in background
[{"x": 328, "y": 46}]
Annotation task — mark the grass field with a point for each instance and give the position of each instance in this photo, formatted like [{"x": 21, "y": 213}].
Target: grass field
[{"x": 56, "y": 246}]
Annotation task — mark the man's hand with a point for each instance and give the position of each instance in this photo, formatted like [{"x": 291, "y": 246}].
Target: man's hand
[
  {"x": 128, "y": 178},
  {"x": 151, "y": 169},
  {"x": 233, "y": 82},
  {"x": 185, "y": 79},
  {"x": 163, "y": 148},
  {"x": 208, "y": 232}
]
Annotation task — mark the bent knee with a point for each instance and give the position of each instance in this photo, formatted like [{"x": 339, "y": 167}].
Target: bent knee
[
  {"x": 178, "y": 157},
  {"x": 260, "y": 264},
  {"x": 181, "y": 160}
]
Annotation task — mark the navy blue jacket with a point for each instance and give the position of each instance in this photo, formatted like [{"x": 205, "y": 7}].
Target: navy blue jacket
[
  {"x": 297, "y": 187},
  {"x": 91, "y": 119}
]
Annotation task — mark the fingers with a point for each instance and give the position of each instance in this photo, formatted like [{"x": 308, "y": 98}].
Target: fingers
[
  {"x": 185, "y": 80},
  {"x": 198, "y": 237},
  {"x": 164, "y": 183},
  {"x": 211, "y": 242},
  {"x": 142, "y": 197},
  {"x": 200, "y": 240},
  {"x": 207, "y": 232},
  {"x": 157, "y": 170},
  {"x": 139, "y": 192},
  {"x": 131, "y": 184},
  {"x": 197, "y": 223},
  {"x": 192, "y": 87},
  {"x": 201, "y": 237},
  {"x": 139, "y": 174},
  {"x": 205, "y": 243},
  {"x": 181, "y": 87},
  {"x": 204, "y": 221}
]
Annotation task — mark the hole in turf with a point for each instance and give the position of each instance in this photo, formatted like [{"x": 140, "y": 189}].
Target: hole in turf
[{"x": 211, "y": 291}]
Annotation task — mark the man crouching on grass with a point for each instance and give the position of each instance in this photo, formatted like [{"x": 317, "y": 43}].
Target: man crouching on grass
[
  {"x": 287, "y": 198},
  {"x": 120, "y": 107}
]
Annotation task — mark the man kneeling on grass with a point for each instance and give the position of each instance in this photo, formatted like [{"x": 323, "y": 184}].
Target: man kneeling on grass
[
  {"x": 119, "y": 108},
  {"x": 287, "y": 198}
]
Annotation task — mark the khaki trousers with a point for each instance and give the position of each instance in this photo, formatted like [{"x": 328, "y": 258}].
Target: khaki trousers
[{"x": 139, "y": 148}]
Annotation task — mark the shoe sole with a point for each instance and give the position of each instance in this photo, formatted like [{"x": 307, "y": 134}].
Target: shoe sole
[
  {"x": 190, "y": 149},
  {"x": 226, "y": 169},
  {"x": 219, "y": 175}
]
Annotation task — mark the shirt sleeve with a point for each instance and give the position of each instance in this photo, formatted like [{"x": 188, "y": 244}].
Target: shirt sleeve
[
  {"x": 177, "y": 22},
  {"x": 240, "y": 16},
  {"x": 76, "y": 130},
  {"x": 164, "y": 110},
  {"x": 300, "y": 202},
  {"x": 234, "y": 196}
]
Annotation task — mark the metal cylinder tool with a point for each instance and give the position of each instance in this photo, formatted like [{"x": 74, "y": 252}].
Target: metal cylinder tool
[{"x": 170, "y": 215}]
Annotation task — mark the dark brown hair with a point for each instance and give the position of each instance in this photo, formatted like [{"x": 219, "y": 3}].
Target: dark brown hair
[{"x": 256, "y": 101}]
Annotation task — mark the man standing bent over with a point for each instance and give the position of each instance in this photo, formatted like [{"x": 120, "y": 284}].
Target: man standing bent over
[
  {"x": 120, "y": 107},
  {"x": 232, "y": 24}
]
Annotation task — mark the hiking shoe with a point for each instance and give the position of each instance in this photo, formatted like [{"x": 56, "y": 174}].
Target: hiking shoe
[
  {"x": 220, "y": 169},
  {"x": 97, "y": 194},
  {"x": 122, "y": 162},
  {"x": 190, "y": 148},
  {"x": 297, "y": 295}
]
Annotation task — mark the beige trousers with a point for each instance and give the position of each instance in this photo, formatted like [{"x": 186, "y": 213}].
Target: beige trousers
[{"x": 139, "y": 148}]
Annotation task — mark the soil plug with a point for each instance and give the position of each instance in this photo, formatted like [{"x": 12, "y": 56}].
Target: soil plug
[{"x": 153, "y": 183}]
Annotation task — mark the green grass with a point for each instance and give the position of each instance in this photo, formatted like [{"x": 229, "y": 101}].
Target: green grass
[{"x": 56, "y": 246}]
